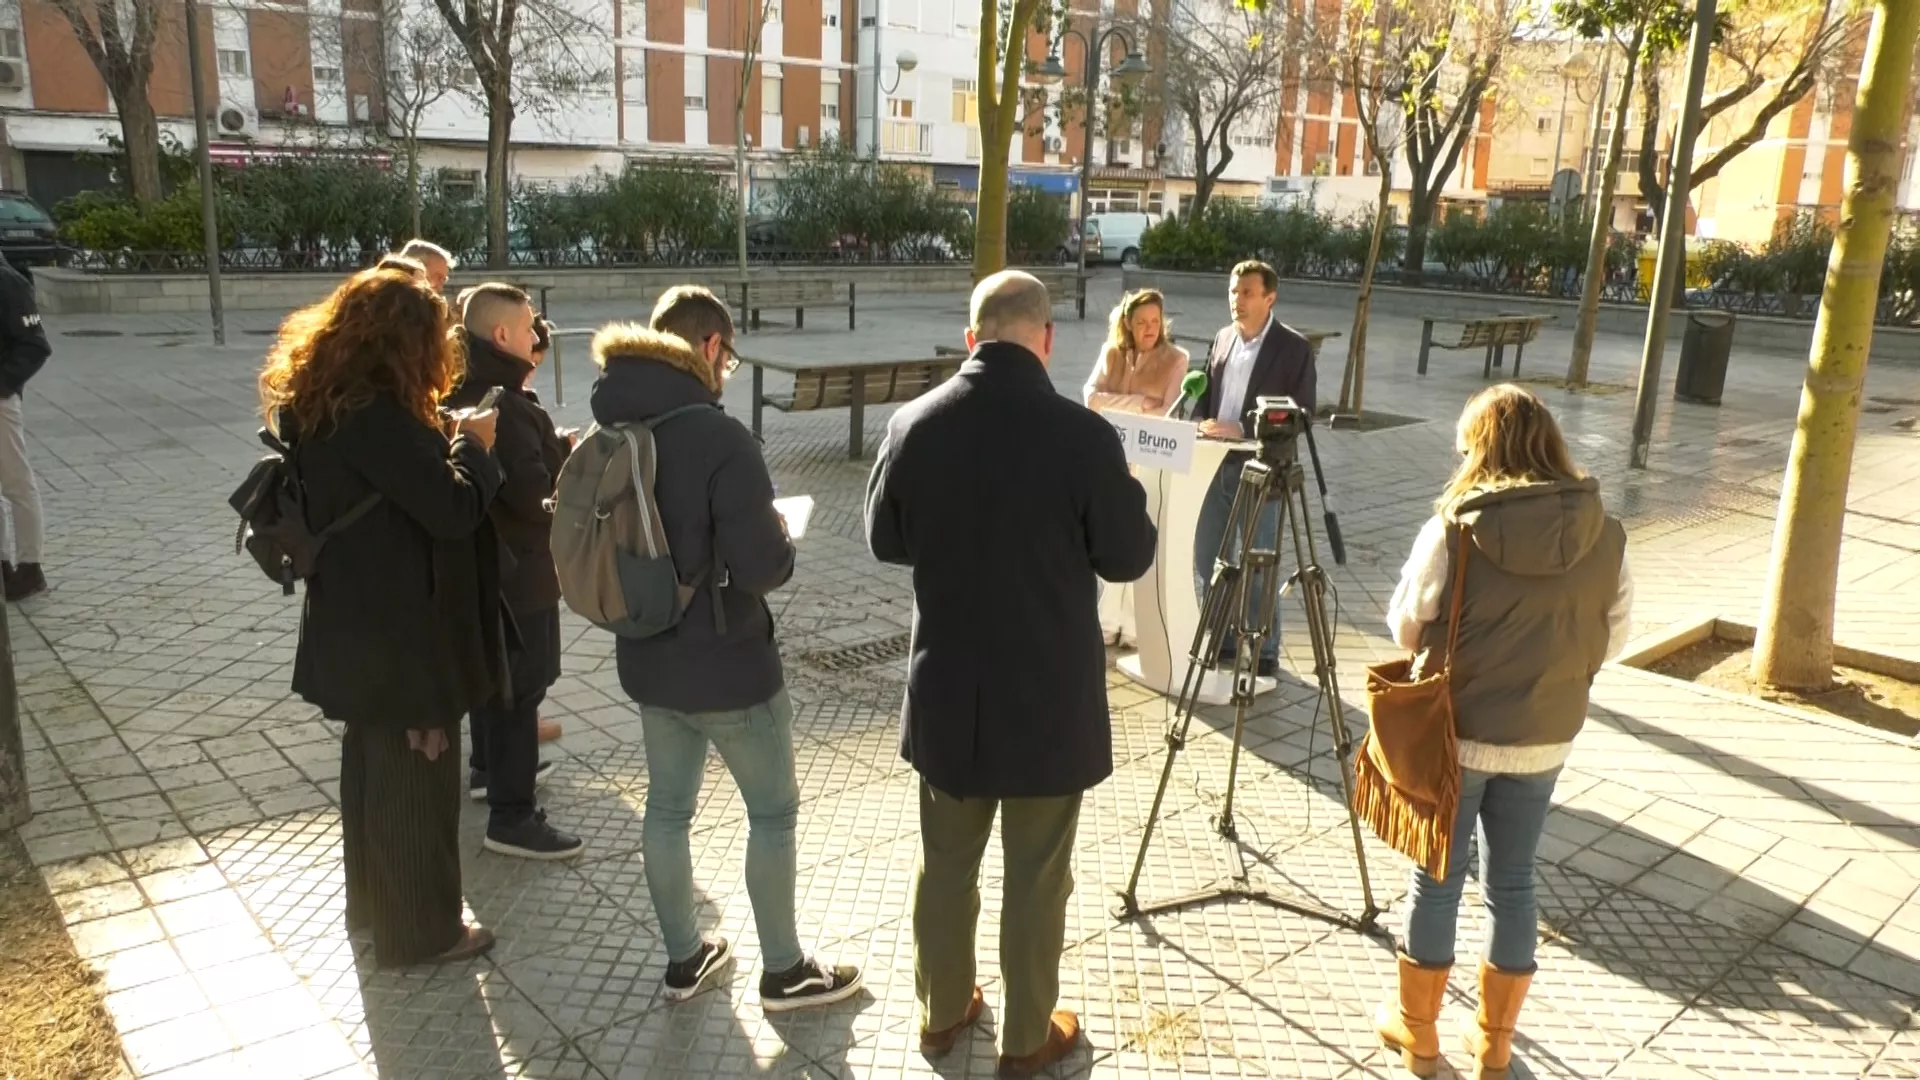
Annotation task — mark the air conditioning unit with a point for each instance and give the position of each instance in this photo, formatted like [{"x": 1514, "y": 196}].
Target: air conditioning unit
[
  {"x": 237, "y": 119},
  {"x": 1054, "y": 144},
  {"x": 803, "y": 137},
  {"x": 13, "y": 74}
]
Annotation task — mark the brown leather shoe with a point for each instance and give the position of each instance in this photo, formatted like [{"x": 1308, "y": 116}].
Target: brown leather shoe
[
  {"x": 936, "y": 1043},
  {"x": 477, "y": 941},
  {"x": 549, "y": 729},
  {"x": 1062, "y": 1037}
]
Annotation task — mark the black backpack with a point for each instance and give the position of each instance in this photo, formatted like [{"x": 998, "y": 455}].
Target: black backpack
[{"x": 272, "y": 506}]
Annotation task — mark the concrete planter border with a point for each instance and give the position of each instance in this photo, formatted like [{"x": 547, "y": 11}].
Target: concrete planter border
[{"x": 1643, "y": 652}]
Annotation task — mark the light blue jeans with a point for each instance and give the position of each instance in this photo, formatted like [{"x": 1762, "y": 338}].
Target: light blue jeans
[
  {"x": 1212, "y": 526},
  {"x": 757, "y": 745},
  {"x": 1510, "y": 811}
]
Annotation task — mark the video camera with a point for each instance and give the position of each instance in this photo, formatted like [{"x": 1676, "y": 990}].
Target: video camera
[{"x": 1277, "y": 424}]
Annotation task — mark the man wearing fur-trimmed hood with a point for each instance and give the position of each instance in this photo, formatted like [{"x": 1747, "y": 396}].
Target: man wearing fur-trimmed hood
[{"x": 715, "y": 677}]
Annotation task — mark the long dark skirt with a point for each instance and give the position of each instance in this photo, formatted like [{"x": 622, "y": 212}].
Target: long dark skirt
[{"x": 400, "y": 823}]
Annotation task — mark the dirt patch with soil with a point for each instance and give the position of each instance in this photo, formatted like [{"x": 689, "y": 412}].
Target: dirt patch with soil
[
  {"x": 53, "y": 1025},
  {"x": 1864, "y": 697}
]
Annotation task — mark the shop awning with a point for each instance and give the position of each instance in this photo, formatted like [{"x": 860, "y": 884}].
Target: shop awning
[{"x": 1053, "y": 183}]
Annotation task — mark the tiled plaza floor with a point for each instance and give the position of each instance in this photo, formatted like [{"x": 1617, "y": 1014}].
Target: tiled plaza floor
[{"x": 1725, "y": 890}]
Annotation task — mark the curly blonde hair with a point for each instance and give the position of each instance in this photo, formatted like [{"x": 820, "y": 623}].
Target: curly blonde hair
[{"x": 383, "y": 330}]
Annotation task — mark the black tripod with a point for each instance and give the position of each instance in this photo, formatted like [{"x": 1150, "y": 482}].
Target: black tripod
[{"x": 1233, "y": 605}]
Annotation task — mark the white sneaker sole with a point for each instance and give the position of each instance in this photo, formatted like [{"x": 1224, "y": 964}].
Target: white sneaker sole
[
  {"x": 711, "y": 979},
  {"x": 500, "y": 848},
  {"x": 814, "y": 1001}
]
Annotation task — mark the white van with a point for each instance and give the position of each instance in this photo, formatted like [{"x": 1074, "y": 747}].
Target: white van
[{"x": 1118, "y": 235}]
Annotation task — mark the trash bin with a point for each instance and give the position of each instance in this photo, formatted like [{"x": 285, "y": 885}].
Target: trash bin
[{"x": 1703, "y": 357}]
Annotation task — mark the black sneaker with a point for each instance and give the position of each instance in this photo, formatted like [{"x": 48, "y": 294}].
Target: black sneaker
[
  {"x": 699, "y": 972},
  {"x": 477, "y": 780},
  {"x": 533, "y": 839},
  {"x": 807, "y": 984},
  {"x": 23, "y": 581}
]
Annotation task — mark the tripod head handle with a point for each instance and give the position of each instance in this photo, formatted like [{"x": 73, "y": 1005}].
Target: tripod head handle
[{"x": 1334, "y": 540}]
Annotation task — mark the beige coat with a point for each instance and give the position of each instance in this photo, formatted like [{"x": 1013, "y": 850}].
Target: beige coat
[{"x": 1135, "y": 382}]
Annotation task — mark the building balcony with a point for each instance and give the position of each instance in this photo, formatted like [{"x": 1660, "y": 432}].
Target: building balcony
[{"x": 907, "y": 137}]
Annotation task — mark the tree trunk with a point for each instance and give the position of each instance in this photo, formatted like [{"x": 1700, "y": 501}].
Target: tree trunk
[
  {"x": 499, "y": 142},
  {"x": 1353, "y": 382},
  {"x": 1419, "y": 216},
  {"x": 15, "y": 809},
  {"x": 1652, "y": 191},
  {"x": 1587, "y": 322},
  {"x": 990, "y": 218},
  {"x": 1202, "y": 165},
  {"x": 1795, "y": 643},
  {"x": 411, "y": 147},
  {"x": 141, "y": 134}
]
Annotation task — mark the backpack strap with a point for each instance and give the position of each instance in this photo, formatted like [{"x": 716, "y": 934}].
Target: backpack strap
[{"x": 353, "y": 514}]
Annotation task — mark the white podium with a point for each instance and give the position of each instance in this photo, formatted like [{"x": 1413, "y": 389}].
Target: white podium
[{"x": 1176, "y": 467}]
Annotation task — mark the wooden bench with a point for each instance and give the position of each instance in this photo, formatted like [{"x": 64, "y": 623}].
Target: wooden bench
[
  {"x": 848, "y": 384},
  {"x": 1063, "y": 283},
  {"x": 1490, "y": 332},
  {"x": 751, "y": 297}
]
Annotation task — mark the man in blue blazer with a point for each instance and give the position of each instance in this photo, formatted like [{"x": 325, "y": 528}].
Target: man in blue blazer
[{"x": 1255, "y": 356}]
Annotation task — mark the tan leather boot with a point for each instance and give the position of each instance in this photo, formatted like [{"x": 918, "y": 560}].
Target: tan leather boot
[
  {"x": 1410, "y": 1028},
  {"x": 1501, "y": 995}
]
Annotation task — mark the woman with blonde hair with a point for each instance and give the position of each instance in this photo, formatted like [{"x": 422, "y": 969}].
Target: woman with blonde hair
[
  {"x": 1140, "y": 369},
  {"x": 1545, "y": 602},
  {"x": 400, "y": 632}
]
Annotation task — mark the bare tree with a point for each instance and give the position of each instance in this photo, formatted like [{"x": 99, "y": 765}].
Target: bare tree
[
  {"x": 749, "y": 70},
  {"x": 419, "y": 63},
  {"x": 1222, "y": 66},
  {"x": 526, "y": 55},
  {"x": 119, "y": 38},
  {"x": 1003, "y": 48},
  {"x": 1769, "y": 52},
  {"x": 1455, "y": 51}
]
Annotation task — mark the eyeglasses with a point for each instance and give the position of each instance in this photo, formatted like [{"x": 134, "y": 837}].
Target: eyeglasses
[{"x": 732, "y": 363}]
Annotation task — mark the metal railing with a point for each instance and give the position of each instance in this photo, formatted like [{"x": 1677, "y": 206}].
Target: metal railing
[{"x": 923, "y": 251}]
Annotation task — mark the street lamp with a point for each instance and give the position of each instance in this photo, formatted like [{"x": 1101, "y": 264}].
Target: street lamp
[
  {"x": 1574, "y": 69},
  {"x": 1053, "y": 70},
  {"x": 903, "y": 62}
]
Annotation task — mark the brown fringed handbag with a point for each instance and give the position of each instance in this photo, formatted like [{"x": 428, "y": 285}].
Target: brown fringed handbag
[{"x": 1406, "y": 777}]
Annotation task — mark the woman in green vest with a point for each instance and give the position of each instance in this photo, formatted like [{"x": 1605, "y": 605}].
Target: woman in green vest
[{"x": 1545, "y": 603}]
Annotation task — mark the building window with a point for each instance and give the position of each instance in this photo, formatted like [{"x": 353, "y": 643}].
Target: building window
[
  {"x": 634, "y": 76},
  {"x": 1542, "y": 123},
  {"x": 771, "y": 96},
  {"x": 633, "y": 19},
  {"x": 325, "y": 73},
  {"x": 829, "y": 113},
  {"x": 696, "y": 97},
  {"x": 830, "y": 20},
  {"x": 900, "y": 108},
  {"x": 10, "y": 44},
  {"x": 696, "y": 5},
  {"x": 966, "y": 102},
  {"x": 232, "y": 61}
]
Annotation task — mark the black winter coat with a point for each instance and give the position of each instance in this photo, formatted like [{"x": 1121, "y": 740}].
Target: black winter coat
[
  {"x": 402, "y": 623},
  {"x": 23, "y": 342},
  {"x": 530, "y": 455},
  {"x": 716, "y": 502},
  {"x": 1007, "y": 500}
]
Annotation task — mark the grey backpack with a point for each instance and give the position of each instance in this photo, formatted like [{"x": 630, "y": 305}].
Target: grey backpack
[{"x": 609, "y": 544}]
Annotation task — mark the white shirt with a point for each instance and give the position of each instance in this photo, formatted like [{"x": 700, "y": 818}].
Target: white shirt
[
  {"x": 1416, "y": 602},
  {"x": 1231, "y": 405}
]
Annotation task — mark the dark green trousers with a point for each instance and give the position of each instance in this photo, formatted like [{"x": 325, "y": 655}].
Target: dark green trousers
[
  {"x": 1036, "y": 838},
  {"x": 400, "y": 828}
]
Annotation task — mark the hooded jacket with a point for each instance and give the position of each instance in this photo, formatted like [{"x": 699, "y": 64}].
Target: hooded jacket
[
  {"x": 530, "y": 455},
  {"x": 716, "y": 503},
  {"x": 1546, "y": 604},
  {"x": 23, "y": 342}
]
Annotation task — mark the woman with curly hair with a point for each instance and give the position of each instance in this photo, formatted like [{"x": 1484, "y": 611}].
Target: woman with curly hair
[
  {"x": 400, "y": 634},
  {"x": 1140, "y": 369}
]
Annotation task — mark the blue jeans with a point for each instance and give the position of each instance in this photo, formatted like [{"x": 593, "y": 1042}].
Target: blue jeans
[
  {"x": 1208, "y": 532},
  {"x": 1510, "y": 811},
  {"x": 757, "y": 745}
]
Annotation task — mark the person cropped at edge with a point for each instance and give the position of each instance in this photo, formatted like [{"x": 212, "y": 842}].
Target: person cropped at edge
[
  {"x": 1254, "y": 356},
  {"x": 401, "y": 625},
  {"x": 1547, "y": 601},
  {"x": 715, "y": 678},
  {"x": 23, "y": 352},
  {"x": 1008, "y": 501}
]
